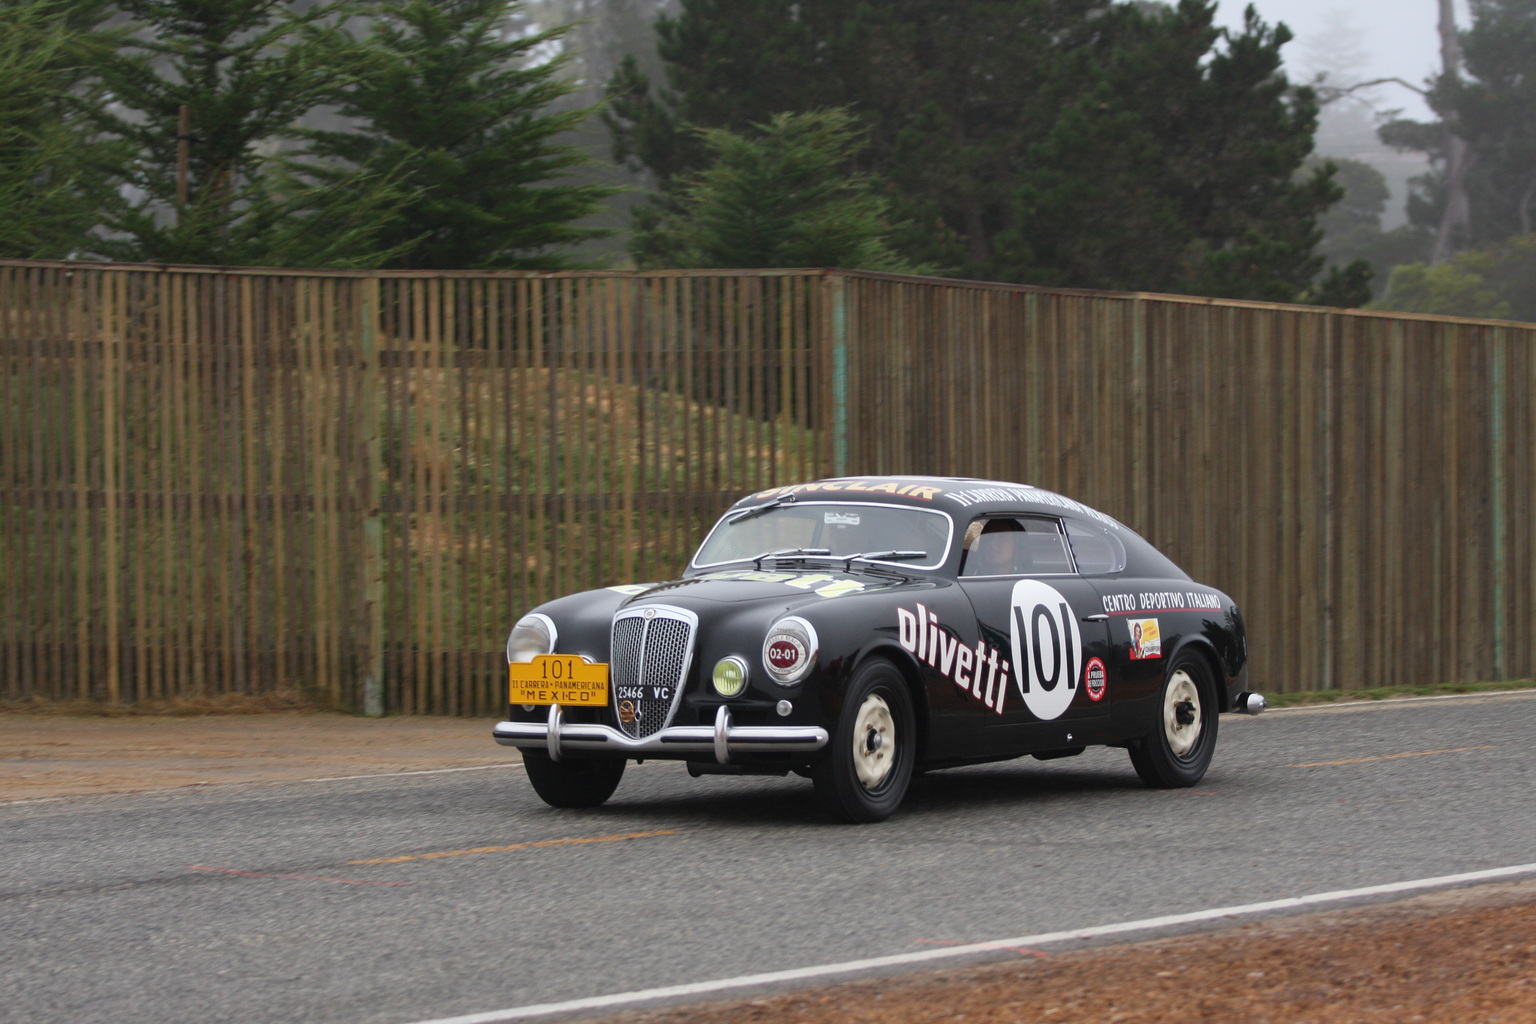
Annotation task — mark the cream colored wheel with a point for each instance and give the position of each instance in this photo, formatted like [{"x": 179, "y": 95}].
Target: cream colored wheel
[
  {"x": 864, "y": 772},
  {"x": 874, "y": 742},
  {"x": 1181, "y": 726},
  {"x": 1182, "y": 713}
]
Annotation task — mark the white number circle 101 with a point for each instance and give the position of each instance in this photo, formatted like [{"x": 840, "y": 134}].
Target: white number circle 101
[{"x": 1047, "y": 648}]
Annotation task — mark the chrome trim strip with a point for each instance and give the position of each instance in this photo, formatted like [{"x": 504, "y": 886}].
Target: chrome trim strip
[{"x": 770, "y": 739}]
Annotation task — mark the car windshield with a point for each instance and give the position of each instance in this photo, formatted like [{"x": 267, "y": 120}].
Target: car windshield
[{"x": 840, "y": 528}]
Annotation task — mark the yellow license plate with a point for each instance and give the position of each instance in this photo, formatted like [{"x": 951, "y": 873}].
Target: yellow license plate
[{"x": 559, "y": 679}]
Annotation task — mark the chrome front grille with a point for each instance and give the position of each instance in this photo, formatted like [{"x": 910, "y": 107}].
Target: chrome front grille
[{"x": 651, "y": 650}]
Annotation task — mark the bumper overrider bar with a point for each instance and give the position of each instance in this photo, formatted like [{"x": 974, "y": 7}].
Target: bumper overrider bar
[{"x": 722, "y": 739}]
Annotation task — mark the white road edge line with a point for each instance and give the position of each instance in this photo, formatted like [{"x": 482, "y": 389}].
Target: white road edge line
[
  {"x": 395, "y": 775},
  {"x": 1357, "y": 705},
  {"x": 698, "y": 988}
]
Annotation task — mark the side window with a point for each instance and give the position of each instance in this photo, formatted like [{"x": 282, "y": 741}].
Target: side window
[
  {"x": 1015, "y": 546},
  {"x": 1098, "y": 551}
]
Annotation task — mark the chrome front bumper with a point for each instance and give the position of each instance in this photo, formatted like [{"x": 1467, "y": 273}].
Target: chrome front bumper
[{"x": 721, "y": 739}]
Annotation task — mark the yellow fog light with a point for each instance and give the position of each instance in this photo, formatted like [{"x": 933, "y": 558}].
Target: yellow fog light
[{"x": 730, "y": 676}]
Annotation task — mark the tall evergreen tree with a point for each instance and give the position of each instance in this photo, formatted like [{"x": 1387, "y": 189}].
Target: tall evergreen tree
[
  {"x": 456, "y": 109},
  {"x": 1079, "y": 142},
  {"x": 1494, "y": 112},
  {"x": 1175, "y": 166},
  {"x": 55, "y": 183},
  {"x": 781, "y": 196},
  {"x": 246, "y": 71}
]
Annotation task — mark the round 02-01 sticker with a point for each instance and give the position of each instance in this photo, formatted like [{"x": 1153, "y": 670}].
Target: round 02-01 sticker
[
  {"x": 1094, "y": 679},
  {"x": 1047, "y": 648},
  {"x": 785, "y": 652}
]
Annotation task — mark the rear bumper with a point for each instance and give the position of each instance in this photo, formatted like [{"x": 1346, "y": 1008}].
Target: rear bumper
[{"x": 722, "y": 740}]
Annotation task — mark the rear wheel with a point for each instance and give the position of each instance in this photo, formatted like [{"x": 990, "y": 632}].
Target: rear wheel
[
  {"x": 1179, "y": 749},
  {"x": 574, "y": 783},
  {"x": 864, "y": 775}
]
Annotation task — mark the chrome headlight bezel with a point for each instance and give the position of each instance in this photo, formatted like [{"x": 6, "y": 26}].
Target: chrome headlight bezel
[
  {"x": 789, "y": 650},
  {"x": 533, "y": 635}
]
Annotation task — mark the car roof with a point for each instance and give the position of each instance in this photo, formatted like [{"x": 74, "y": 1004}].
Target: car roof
[
  {"x": 964, "y": 498},
  {"x": 961, "y": 496}
]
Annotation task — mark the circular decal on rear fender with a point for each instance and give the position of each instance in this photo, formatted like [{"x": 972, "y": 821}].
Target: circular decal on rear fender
[
  {"x": 1094, "y": 679},
  {"x": 1047, "y": 648}
]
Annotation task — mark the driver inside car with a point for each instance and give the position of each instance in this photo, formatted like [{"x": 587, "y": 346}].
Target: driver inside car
[{"x": 996, "y": 550}]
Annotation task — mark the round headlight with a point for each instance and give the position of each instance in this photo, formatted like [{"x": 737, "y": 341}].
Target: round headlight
[
  {"x": 730, "y": 676},
  {"x": 533, "y": 635},
  {"x": 789, "y": 650}
]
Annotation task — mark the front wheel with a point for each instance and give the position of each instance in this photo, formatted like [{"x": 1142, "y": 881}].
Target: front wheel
[
  {"x": 1179, "y": 749},
  {"x": 576, "y": 783},
  {"x": 864, "y": 775}
]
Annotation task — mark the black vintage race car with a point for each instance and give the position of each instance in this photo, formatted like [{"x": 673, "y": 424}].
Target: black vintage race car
[{"x": 857, "y": 630}]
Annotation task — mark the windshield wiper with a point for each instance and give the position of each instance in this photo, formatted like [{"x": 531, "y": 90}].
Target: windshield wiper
[
  {"x": 757, "y": 561},
  {"x": 882, "y": 556},
  {"x": 757, "y": 510}
]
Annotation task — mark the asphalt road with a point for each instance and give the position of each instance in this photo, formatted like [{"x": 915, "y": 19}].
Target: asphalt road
[{"x": 397, "y": 899}]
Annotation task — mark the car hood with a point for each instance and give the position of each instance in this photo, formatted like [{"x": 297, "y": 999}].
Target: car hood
[{"x": 786, "y": 589}]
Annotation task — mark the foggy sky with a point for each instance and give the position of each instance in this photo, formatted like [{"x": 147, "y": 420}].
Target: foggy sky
[{"x": 1398, "y": 38}]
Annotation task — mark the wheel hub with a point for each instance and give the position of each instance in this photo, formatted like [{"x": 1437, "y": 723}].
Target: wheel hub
[
  {"x": 1181, "y": 713},
  {"x": 874, "y": 732}
]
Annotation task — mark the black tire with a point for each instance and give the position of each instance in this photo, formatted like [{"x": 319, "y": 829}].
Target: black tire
[
  {"x": 576, "y": 783},
  {"x": 1178, "y": 750},
  {"x": 863, "y": 778}
]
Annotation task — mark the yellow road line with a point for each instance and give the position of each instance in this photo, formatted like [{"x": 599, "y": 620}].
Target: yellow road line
[
  {"x": 1386, "y": 757},
  {"x": 515, "y": 846}
]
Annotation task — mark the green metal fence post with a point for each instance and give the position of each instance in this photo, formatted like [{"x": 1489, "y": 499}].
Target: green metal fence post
[{"x": 838, "y": 285}]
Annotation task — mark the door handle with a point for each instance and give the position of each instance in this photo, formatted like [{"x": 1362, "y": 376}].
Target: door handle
[{"x": 1095, "y": 618}]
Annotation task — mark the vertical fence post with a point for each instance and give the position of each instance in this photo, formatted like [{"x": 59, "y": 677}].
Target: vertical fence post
[
  {"x": 369, "y": 406},
  {"x": 1496, "y": 443},
  {"x": 1327, "y": 440},
  {"x": 839, "y": 341},
  {"x": 1141, "y": 403}
]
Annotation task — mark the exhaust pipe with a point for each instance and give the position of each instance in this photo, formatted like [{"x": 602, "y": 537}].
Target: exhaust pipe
[{"x": 1250, "y": 703}]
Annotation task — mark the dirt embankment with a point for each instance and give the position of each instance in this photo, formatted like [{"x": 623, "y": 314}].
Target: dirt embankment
[{"x": 1465, "y": 956}]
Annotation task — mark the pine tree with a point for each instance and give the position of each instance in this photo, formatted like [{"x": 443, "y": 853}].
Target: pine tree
[
  {"x": 55, "y": 184},
  {"x": 1071, "y": 142},
  {"x": 1177, "y": 170},
  {"x": 781, "y": 196},
  {"x": 457, "y": 110},
  {"x": 1494, "y": 111},
  {"x": 245, "y": 71}
]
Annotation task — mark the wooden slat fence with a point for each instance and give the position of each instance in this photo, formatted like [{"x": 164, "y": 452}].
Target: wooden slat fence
[{"x": 238, "y": 481}]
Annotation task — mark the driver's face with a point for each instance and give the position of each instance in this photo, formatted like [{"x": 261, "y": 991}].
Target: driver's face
[{"x": 1001, "y": 548}]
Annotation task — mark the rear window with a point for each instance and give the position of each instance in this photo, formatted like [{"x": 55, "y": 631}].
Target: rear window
[{"x": 1097, "y": 550}]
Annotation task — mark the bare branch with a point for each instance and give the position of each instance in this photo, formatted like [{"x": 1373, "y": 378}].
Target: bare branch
[{"x": 1333, "y": 92}]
